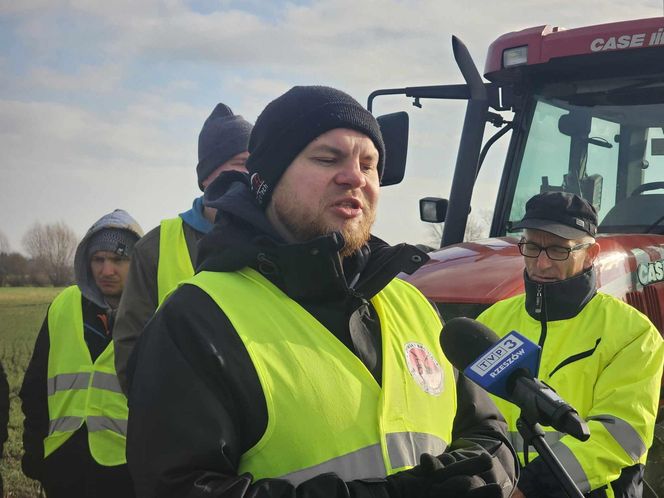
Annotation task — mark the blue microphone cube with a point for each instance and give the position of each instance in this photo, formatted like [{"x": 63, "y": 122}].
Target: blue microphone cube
[{"x": 492, "y": 370}]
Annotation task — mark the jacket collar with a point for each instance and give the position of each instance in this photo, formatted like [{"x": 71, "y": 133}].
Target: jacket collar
[
  {"x": 308, "y": 271},
  {"x": 559, "y": 300}
]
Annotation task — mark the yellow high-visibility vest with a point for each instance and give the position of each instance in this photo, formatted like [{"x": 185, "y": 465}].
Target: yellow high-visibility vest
[
  {"x": 326, "y": 412},
  {"x": 174, "y": 259},
  {"x": 79, "y": 390},
  {"x": 607, "y": 363}
]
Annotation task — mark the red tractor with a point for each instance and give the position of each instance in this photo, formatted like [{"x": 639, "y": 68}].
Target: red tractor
[{"x": 587, "y": 117}]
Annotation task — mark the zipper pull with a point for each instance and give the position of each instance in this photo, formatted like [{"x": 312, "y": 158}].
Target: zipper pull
[{"x": 538, "y": 299}]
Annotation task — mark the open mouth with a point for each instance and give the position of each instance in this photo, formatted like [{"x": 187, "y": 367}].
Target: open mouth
[
  {"x": 348, "y": 208},
  {"x": 350, "y": 203}
]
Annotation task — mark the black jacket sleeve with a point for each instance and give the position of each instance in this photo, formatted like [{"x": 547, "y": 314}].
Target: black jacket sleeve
[
  {"x": 479, "y": 427},
  {"x": 138, "y": 303},
  {"x": 35, "y": 406},
  {"x": 196, "y": 405}
]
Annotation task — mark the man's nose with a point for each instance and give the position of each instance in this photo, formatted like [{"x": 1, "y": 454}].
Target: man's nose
[
  {"x": 108, "y": 268},
  {"x": 351, "y": 174},
  {"x": 543, "y": 260}
]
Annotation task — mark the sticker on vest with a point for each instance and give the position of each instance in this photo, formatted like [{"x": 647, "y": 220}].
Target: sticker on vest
[{"x": 424, "y": 368}]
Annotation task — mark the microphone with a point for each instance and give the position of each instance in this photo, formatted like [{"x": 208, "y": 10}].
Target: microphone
[{"x": 505, "y": 367}]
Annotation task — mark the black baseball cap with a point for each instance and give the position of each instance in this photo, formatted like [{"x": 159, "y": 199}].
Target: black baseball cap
[{"x": 560, "y": 213}]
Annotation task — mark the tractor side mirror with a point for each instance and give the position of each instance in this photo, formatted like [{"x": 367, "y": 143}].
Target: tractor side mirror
[
  {"x": 433, "y": 209},
  {"x": 574, "y": 124},
  {"x": 394, "y": 128}
]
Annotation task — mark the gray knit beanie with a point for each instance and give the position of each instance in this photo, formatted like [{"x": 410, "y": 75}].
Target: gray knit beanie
[
  {"x": 115, "y": 240},
  {"x": 223, "y": 136},
  {"x": 289, "y": 123}
]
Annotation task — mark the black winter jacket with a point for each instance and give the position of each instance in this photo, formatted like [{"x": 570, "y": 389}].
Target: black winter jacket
[
  {"x": 195, "y": 401},
  {"x": 70, "y": 470}
]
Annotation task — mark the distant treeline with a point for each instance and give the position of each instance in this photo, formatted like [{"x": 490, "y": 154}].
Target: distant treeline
[{"x": 50, "y": 259}]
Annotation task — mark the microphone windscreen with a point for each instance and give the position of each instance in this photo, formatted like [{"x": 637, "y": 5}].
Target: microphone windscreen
[{"x": 464, "y": 339}]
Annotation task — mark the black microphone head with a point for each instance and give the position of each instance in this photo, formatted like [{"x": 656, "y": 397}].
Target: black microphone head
[{"x": 463, "y": 340}]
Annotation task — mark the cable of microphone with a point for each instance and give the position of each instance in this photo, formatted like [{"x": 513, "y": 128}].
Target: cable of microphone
[{"x": 505, "y": 367}]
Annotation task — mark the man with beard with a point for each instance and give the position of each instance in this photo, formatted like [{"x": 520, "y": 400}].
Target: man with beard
[{"x": 288, "y": 366}]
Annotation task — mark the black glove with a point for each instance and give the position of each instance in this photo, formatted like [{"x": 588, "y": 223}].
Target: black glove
[
  {"x": 451, "y": 475},
  {"x": 470, "y": 477},
  {"x": 489, "y": 468}
]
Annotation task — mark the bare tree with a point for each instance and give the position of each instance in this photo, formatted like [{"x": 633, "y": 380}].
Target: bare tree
[
  {"x": 477, "y": 227},
  {"x": 13, "y": 269},
  {"x": 4, "y": 243},
  {"x": 52, "y": 247}
]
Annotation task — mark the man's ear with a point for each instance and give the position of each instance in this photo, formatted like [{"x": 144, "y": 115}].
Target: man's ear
[{"x": 592, "y": 253}]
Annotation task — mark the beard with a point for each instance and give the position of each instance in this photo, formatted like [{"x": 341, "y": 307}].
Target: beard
[{"x": 303, "y": 225}]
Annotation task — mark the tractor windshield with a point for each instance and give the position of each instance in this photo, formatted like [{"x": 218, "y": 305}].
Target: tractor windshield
[{"x": 603, "y": 141}]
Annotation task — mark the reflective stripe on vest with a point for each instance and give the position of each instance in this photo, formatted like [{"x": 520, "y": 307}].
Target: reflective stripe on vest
[
  {"x": 82, "y": 391},
  {"x": 174, "y": 263},
  {"x": 64, "y": 424},
  {"x": 573, "y": 467},
  {"x": 65, "y": 382},
  {"x": 615, "y": 389},
  {"x": 106, "y": 381},
  {"x": 96, "y": 424},
  {"x": 404, "y": 450},
  {"x": 359, "y": 431},
  {"x": 624, "y": 434}
]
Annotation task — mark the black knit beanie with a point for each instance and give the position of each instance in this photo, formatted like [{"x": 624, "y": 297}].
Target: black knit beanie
[
  {"x": 223, "y": 136},
  {"x": 289, "y": 123}
]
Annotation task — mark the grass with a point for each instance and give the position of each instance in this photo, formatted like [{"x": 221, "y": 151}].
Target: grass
[{"x": 22, "y": 311}]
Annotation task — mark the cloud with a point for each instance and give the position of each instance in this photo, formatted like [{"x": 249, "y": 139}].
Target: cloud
[
  {"x": 44, "y": 133},
  {"x": 102, "y": 78},
  {"x": 113, "y": 94}
]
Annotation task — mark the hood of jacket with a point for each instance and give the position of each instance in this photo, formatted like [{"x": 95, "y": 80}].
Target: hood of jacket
[
  {"x": 118, "y": 219},
  {"x": 307, "y": 271}
]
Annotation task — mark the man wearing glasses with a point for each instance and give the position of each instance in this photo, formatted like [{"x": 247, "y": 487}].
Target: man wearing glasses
[{"x": 600, "y": 354}]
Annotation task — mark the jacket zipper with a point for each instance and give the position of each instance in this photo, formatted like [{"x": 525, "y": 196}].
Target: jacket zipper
[
  {"x": 539, "y": 307},
  {"x": 542, "y": 338},
  {"x": 538, "y": 299}
]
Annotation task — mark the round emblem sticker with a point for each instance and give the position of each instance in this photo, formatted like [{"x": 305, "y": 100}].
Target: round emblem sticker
[{"x": 424, "y": 368}]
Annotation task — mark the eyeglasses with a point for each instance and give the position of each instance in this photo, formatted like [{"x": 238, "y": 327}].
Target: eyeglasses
[{"x": 555, "y": 253}]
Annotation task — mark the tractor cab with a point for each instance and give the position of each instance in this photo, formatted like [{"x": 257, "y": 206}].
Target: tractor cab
[{"x": 602, "y": 140}]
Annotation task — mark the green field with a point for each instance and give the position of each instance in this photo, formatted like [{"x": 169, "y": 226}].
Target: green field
[{"x": 22, "y": 311}]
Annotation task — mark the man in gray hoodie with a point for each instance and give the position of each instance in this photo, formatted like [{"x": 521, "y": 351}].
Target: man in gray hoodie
[{"x": 75, "y": 413}]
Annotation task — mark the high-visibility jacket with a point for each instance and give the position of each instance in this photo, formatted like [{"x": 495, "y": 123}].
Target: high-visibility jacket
[
  {"x": 326, "y": 412},
  {"x": 174, "y": 259},
  {"x": 80, "y": 390},
  {"x": 607, "y": 363}
]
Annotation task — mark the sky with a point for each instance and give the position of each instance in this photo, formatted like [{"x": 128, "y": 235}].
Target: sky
[{"x": 101, "y": 102}]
